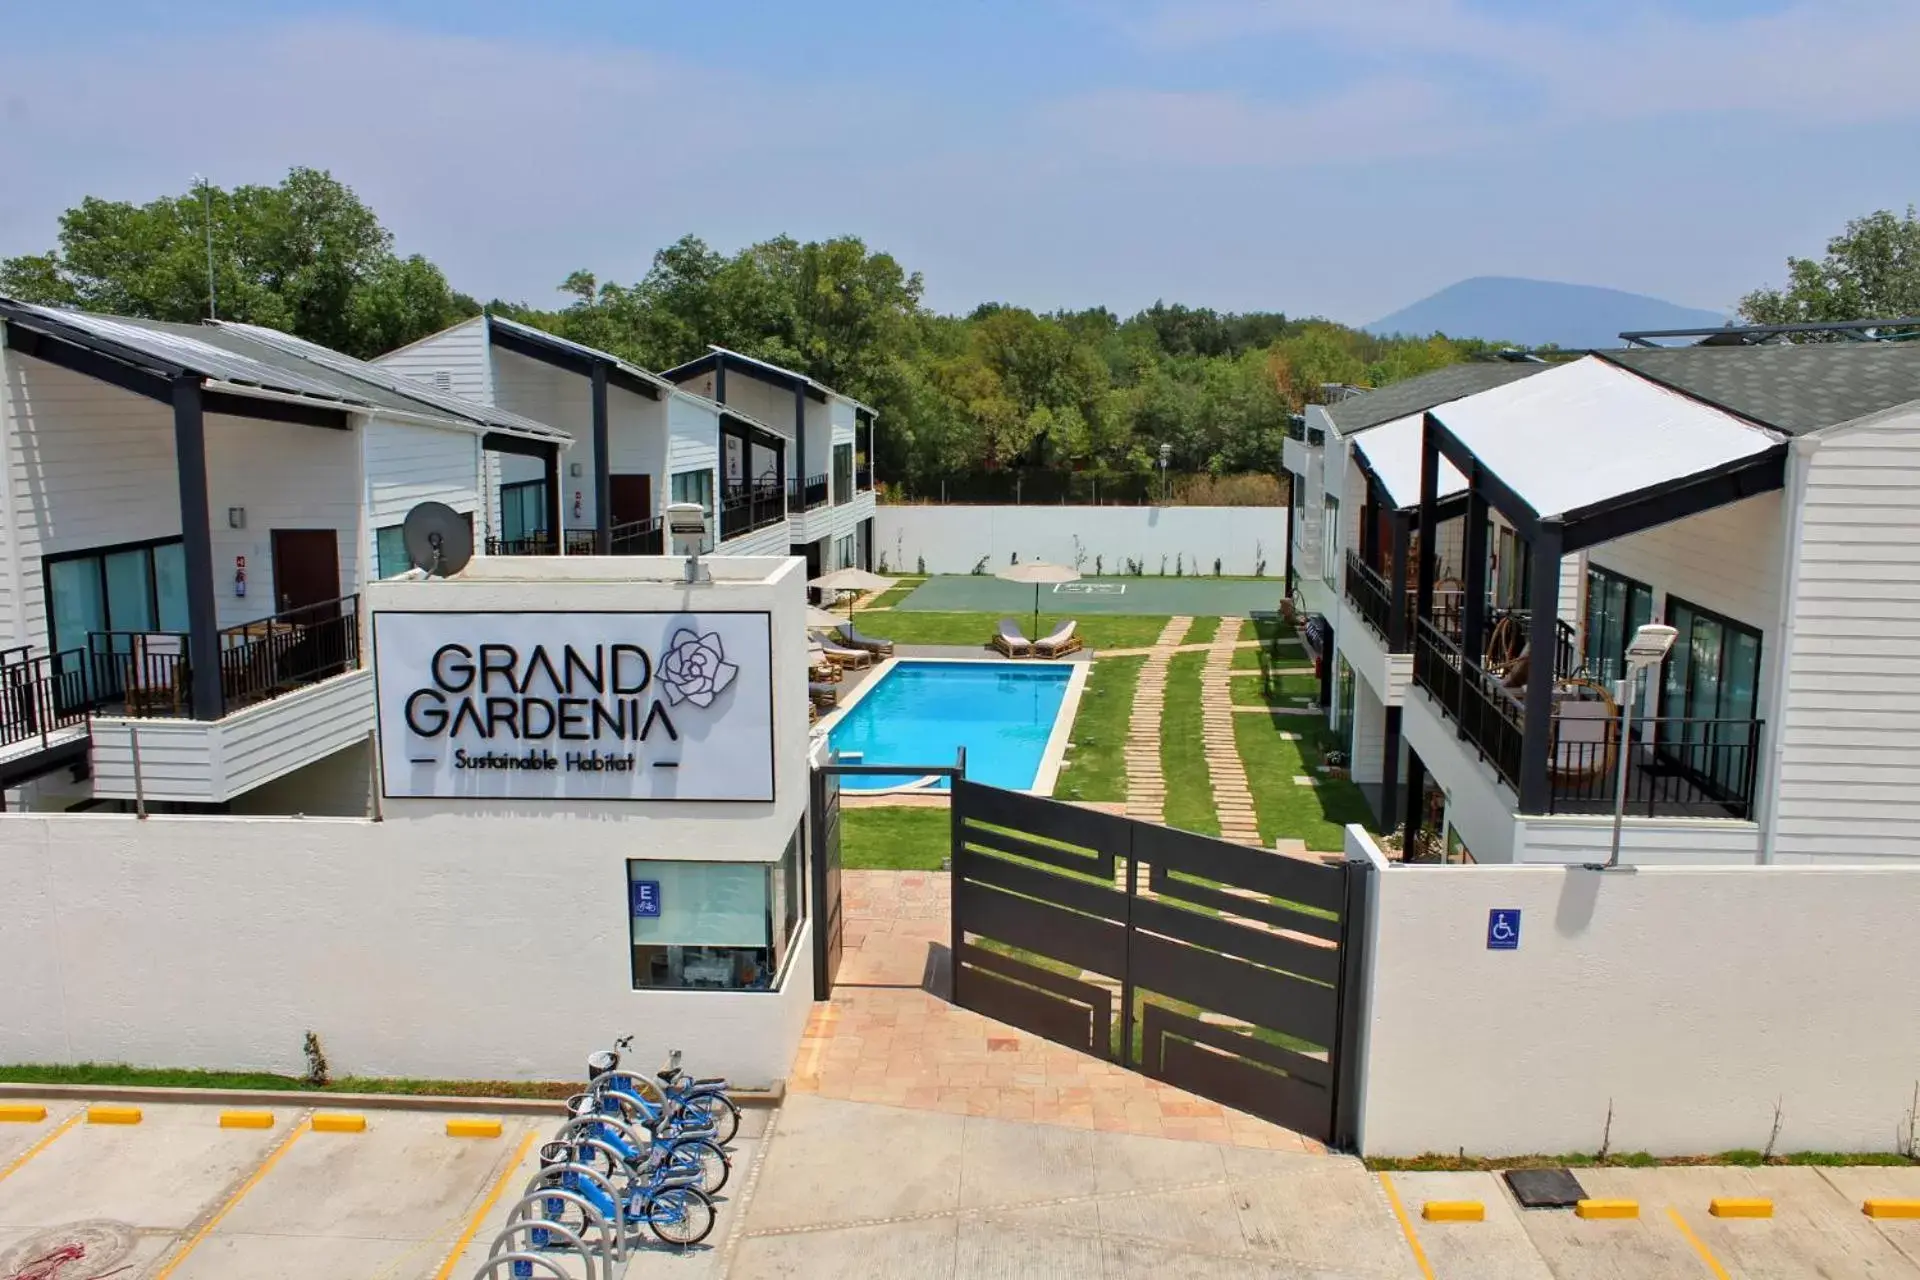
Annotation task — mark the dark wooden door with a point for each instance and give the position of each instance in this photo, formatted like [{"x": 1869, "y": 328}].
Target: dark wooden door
[
  {"x": 306, "y": 567},
  {"x": 632, "y": 498}
]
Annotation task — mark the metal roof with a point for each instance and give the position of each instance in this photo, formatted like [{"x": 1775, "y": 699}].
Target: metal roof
[
  {"x": 1414, "y": 395},
  {"x": 400, "y": 392},
  {"x": 1793, "y": 389},
  {"x": 178, "y": 349},
  {"x": 580, "y": 349},
  {"x": 779, "y": 373}
]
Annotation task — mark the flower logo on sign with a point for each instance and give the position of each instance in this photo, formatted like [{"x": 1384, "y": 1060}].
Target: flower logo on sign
[{"x": 695, "y": 668}]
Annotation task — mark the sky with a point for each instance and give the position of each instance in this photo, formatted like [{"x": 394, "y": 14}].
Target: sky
[{"x": 1330, "y": 157}]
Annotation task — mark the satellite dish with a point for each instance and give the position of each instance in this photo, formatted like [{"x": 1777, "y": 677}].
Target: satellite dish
[{"x": 438, "y": 539}]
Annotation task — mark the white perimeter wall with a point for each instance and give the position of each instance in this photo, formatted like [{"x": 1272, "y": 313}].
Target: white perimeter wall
[
  {"x": 1691, "y": 998},
  {"x": 441, "y": 947},
  {"x": 953, "y": 538}
]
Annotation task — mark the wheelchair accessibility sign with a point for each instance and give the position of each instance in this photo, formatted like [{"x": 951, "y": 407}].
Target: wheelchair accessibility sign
[{"x": 1503, "y": 929}]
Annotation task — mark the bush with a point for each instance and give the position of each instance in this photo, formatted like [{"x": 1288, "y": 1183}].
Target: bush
[
  {"x": 980, "y": 567},
  {"x": 1216, "y": 566},
  {"x": 920, "y": 565},
  {"x": 1251, "y": 490}
]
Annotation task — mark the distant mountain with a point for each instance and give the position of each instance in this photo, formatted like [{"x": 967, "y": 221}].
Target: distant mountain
[{"x": 1535, "y": 312}]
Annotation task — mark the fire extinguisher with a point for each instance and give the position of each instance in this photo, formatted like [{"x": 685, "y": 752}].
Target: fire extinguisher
[
  {"x": 579, "y": 505},
  {"x": 239, "y": 575}
]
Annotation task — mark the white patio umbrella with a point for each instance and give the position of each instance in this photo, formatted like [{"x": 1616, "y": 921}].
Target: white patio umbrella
[
  {"x": 1037, "y": 572},
  {"x": 819, "y": 619},
  {"x": 852, "y": 581}
]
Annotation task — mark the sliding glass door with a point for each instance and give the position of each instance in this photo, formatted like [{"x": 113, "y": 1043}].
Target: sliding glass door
[
  {"x": 99, "y": 600},
  {"x": 1617, "y": 606},
  {"x": 1712, "y": 681}
]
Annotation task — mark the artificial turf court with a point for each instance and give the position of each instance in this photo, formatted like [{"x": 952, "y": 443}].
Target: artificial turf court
[{"x": 1192, "y": 597}]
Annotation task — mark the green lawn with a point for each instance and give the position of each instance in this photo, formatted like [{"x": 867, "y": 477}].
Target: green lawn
[
  {"x": 1249, "y": 692},
  {"x": 1202, "y": 631},
  {"x": 893, "y": 595},
  {"x": 1292, "y": 654},
  {"x": 1283, "y": 808},
  {"x": 103, "y": 1073},
  {"x": 1183, "y": 758},
  {"x": 1096, "y": 768},
  {"x": 894, "y": 838},
  {"x": 1098, "y": 631}
]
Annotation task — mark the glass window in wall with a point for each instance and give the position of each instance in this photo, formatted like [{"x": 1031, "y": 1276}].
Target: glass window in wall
[
  {"x": 523, "y": 509},
  {"x": 390, "y": 551},
  {"x": 694, "y": 486},
  {"x": 1617, "y": 606},
  {"x": 842, "y": 472},
  {"x": 702, "y": 925},
  {"x": 1711, "y": 681},
  {"x": 1329, "y": 526}
]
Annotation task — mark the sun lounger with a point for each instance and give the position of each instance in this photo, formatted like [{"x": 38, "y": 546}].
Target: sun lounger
[
  {"x": 1062, "y": 642},
  {"x": 851, "y": 634},
  {"x": 840, "y": 656},
  {"x": 824, "y": 695},
  {"x": 1008, "y": 640}
]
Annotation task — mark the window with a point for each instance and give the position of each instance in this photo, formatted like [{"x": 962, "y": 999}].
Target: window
[
  {"x": 1711, "y": 679},
  {"x": 1617, "y": 606},
  {"x": 1512, "y": 569},
  {"x": 139, "y": 587},
  {"x": 842, "y": 473},
  {"x": 390, "y": 552},
  {"x": 709, "y": 924},
  {"x": 523, "y": 509},
  {"x": 843, "y": 552},
  {"x": 694, "y": 486},
  {"x": 1329, "y": 526}
]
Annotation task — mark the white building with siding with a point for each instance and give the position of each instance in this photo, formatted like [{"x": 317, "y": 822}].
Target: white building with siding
[
  {"x": 1760, "y": 499},
  {"x": 174, "y": 491}
]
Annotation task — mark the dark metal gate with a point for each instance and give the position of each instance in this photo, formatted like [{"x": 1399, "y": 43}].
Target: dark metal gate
[
  {"x": 1228, "y": 971},
  {"x": 829, "y": 923}
]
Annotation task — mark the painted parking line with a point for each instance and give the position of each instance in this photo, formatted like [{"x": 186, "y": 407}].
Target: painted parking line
[
  {"x": 253, "y": 1180},
  {"x": 486, "y": 1206},
  {"x": 19, "y": 1161},
  {"x": 1699, "y": 1245},
  {"x": 1406, "y": 1226}
]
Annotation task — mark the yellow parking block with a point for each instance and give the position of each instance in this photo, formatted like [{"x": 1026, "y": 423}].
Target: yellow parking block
[
  {"x": 21, "y": 1113},
  {"x": 339, "y": 1122},
  {"x": 473, "y": 1128},
  {"x": 1737, "y": 1207},
  {"x": 1608, "y": 1209},
  {"x": 1891, "y": 1208},
  {"x": 1454, "y": 1211},
  {"x": 246, "y": 1119},
  {"x": 103, "y": 1114}
]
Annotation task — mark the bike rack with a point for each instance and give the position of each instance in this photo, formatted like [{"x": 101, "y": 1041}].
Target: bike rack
[
  {"x": 574, "y": 1244},
  {"x": 578, "y": 1124},
  {"x": 492, "y": 1266},
  {"x": 538, "y": 1183}
]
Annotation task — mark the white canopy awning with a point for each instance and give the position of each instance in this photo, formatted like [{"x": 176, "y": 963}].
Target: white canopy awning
[
  {"x": 1589, "y": 433},
  {"x": 1392, "y": 452}
]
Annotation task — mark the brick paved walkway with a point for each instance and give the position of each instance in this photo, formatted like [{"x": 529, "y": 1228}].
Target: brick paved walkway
[
  {"x": 1146, "y": 785},
  {"x": 1232, "y": 800},
  {"x": 882, "y": 1038}
]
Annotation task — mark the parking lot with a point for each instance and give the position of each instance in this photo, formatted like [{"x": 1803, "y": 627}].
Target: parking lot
[{"x": 178, "y": 1197}]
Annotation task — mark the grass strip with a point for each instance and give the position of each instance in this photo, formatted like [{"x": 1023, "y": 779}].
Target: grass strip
[
  {"x": 894, "y": 837},
  {"x": 975, "y": 630},
  {"x": 106, "y": 1073},
  {"x": 1096, "y": 766},
  {"x": 1183, "y": 750},
  {"x": 1283, "y": 808}
]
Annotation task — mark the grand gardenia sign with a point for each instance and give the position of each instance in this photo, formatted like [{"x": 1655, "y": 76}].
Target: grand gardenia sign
[{"x": 575, "y": 706}]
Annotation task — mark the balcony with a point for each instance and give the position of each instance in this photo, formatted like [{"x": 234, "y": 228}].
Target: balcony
[
  {"x": 1367, "y": 593},
  {"x": 579, "y": 542},
  {"x": 1677, "y": 767},
  {"x": 863, "y": 478},
  {"x": 806, "y": 495},
  {"x": 746, "y": 506},
  {"x": 639, "y": 538}
]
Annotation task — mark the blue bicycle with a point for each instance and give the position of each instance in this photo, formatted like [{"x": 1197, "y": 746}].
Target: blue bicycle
[
  {"x": 678, "y": 1212},
  {"x": 599, "y": 1117},
  {"x": 702, "y": 1104}
]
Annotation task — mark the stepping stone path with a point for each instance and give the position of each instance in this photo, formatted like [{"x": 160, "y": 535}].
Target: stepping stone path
[
  {"x": 1146, "y": 785},
  {"x": 1232, "y": 800}
]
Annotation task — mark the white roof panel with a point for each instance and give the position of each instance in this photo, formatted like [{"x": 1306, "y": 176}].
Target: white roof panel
[
  {"x": 1588, "y": 432},
  {"x": 1392, "y": 450}
]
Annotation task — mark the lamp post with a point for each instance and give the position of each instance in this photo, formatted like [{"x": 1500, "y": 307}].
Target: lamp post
[
  {"x": 1647, "y": 649},
  {"x": 1166, "y": 455}
]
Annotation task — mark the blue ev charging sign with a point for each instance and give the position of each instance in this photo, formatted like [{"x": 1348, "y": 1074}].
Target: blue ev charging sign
[
  {"x": 646, "y": 899},
  {"x": 575, "y": 706}
]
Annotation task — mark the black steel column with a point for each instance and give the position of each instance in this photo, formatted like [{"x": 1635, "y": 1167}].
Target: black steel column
[
  {"x": 1370, "y": 526},
  {"x": 556, "y": 501},
  {"x": 1399, "y": 633},
  {"x": 1536, "y": 747},
  {"x": 602, "y": 465},
  {"x": 1473, "y": 617},
  {"x": 1414, "y": 809},
  {"x": 720, "y": 379},
  {"x": 1429, "y": 514},
  {"x": 800, "y": 447},
  {"x": 196, "y": 544},
  {"x": 1389, "y": 768}
]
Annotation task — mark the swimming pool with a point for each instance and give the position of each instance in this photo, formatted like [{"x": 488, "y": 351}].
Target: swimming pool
[{"x": 921, "y": 712}]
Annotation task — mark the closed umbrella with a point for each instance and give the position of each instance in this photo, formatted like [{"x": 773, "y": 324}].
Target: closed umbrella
[
  {"x": 1037, "y": 572},
  {"x": 819, "y": 619},
  {"x": 850, "y": 580}
]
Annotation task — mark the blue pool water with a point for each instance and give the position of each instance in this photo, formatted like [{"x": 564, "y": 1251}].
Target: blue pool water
[{"x": 923, "y": 712}]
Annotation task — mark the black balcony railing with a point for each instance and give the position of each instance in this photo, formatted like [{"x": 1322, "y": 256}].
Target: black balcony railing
[
  {"x": 1367, "y": 592},
  {"x": 863, "y": 479},
  {"x": 138, "y": 673},
  {"x": 808, "y": 494},
  {"x": 746, "y": 506},
  {"x": 1676, "y": 767},
  {"x": 532, "y": 544},
  {"x": 638, "y": 538},
  {"x": 1487, "y": 715},
  {"x": 39, "y": 696}
]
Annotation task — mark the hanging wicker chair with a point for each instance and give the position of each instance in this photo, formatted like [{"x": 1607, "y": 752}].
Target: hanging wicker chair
[
  {"x": 1586, "y": 732},
  {"x": 1505, "y": 643}
]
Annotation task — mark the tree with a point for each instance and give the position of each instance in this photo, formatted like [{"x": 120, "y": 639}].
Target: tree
[
  {"x": 306, "y": 256},
  {"x": 1871, "y": 272}
]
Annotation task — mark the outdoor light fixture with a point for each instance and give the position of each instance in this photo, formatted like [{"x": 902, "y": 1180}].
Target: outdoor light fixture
[
  {"x": 236, "y": 517},
  {"x": 687, "y": 529},
  {"x": 1648, "y": 648}
]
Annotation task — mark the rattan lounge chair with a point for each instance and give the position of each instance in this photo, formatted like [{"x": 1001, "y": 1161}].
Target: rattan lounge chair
[
  {"x": 1008, "y": 639},
  {"x": 824, "y": 694},
  {"x": 851, "y": 634},
  {"x": 841, "y": 656},
  {"x": 1064, "y": 640}
]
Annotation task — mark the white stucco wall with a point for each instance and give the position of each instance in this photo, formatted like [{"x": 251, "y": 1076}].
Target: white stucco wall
[
  {"x": 1691, "y": 999},
  {"x": 953, "y": 538}
]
